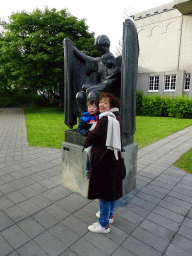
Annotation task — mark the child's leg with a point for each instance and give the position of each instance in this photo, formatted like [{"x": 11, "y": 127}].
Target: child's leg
[{"x": 88, "y": 164}]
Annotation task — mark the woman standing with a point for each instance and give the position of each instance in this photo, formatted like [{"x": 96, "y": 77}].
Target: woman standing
[{"x": 105, "y": 182}]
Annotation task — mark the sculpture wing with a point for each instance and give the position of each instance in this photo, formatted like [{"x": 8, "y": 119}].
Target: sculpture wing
[
  {"x": 119, "y": 61},
  {"x": 129, "y": 72},
  {"x": 77, "y": 72}
]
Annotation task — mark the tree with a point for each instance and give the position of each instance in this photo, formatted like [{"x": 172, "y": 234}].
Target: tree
[
  {"x": 118, "y": 49},
  {"x": 128, "y": 14},
  {"x": 31, "y": 48}
]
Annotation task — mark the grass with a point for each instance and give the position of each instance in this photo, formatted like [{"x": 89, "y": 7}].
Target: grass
[
  {"x": 185, "y": 161},
  {"x": 45, "y": 127},
  {"x": 150, "y": 129}
]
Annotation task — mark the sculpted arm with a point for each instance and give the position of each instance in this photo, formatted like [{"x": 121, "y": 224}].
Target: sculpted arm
[{"x": 83, "y": 57}]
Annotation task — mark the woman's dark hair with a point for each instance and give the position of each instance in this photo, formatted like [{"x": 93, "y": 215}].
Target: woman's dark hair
[
  {"x": 92, "y": 102},
  {"x": 114, "y": 101}
]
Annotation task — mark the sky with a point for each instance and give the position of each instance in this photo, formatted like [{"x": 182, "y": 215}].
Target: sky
[{"x": 102, "y": 16}]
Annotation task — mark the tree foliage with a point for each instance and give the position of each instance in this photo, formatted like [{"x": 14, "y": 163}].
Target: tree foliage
[
  {"x": 118, "y": 49},
  {"x": 31, "y": 48}
]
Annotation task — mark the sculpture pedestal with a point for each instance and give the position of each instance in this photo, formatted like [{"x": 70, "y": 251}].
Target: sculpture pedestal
[
  {"x": 130, "y": 158},
  {"x": 74, "y": 163}
]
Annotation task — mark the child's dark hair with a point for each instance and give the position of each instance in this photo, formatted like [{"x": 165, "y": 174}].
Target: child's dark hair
[{"x": 92, "y": 102}]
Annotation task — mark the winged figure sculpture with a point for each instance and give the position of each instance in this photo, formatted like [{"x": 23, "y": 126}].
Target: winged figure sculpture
[{"x": 86, "y": 77}]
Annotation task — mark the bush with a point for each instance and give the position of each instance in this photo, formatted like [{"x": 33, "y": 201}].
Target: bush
[
  {"x": 166, "y": 106},
  {"x": 19, "y": 97},
  {"x": 5, "y": 102},
  {"x": 139, "y": 98}
]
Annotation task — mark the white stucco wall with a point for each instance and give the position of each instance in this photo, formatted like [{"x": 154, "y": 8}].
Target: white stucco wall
[
  {"x": 165, "y": 39},
  {"x": 159, "y": 40},
  {"x": 185, "y": 62}
]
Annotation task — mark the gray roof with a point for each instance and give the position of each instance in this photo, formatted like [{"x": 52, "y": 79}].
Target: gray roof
[{"x": 154, "y": 11}]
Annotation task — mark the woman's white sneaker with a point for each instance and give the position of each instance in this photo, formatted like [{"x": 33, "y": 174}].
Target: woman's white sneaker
[
  {"x": 97, "y": 228},
  {"x": 110, "y": 219},
  {"x": 93, "y": 224}
]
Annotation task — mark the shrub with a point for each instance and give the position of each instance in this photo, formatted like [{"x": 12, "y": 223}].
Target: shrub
[
  {"x": 166, "y": 106},
  {"x": 139, "y": 98},
  {"x": 5, "y": 102},
  {"x": 19, "y": 97}
]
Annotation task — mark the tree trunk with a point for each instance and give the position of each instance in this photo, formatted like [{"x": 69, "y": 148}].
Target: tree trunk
[
  {"x": 54, "y": 95},
  {"x": 61, "y": 92}
]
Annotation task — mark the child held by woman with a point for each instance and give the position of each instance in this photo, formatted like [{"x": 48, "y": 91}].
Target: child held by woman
[{"x": 87, "y": 123}]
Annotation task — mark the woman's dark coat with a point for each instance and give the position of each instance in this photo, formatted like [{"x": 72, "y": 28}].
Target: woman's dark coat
[{"x": 105, "y": 180}]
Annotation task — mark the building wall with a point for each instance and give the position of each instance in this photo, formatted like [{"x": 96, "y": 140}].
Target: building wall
[
  {"x": 165, "y": 40},
  {"x": 159, "y": 41},
  {"x": 143, "y": 82},
  {"x": 185, "y": 61}
]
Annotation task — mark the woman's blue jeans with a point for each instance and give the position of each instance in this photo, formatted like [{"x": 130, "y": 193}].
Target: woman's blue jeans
[{"x": 106, "y": 211}]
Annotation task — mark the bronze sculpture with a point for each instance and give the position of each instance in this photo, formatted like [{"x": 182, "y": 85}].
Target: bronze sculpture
[
  {"x": 87, "y": 77},
  {"x": 108, "y": 72}
]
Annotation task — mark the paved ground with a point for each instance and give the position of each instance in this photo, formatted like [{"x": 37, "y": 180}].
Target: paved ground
[{"x": 38, "y": 216}]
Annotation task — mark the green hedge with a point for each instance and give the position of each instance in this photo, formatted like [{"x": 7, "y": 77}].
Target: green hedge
[
  {"x": 167, "y": 106},
  {"x": 19, "y": 97},
  {"x": 155, "y": 105}
]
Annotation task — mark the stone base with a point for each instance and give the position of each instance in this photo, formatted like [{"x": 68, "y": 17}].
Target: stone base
[
  {"x": 130, "y": 158},
  {"x": 74, "y": 137},
  {"x": 74, "y": 163}
]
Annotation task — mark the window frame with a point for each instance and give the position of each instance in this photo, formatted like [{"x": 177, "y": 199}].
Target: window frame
[
  {"x": 154, "y": 80},
  {"x": 170, "y": 83},
  {"x": 186, "y": 90}
]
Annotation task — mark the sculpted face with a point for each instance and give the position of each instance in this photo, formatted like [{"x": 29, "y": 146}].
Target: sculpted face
[
  {"x": 102, "y": 48},
  {"x": 102, "y": 44},
  {"x": 108, "y": 60}
]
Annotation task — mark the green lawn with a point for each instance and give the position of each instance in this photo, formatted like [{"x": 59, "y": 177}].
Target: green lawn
[
  {"x": 185, "y": 161},
  {"x": 150, "y": 129},
  {"x": 45, "y": 128}
]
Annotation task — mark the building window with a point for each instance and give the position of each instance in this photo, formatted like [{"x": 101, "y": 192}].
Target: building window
[
  {"x": 154, "y": 83},
  {"x": 187, "y": 82},
  {"x": 170, "y": 82}
]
